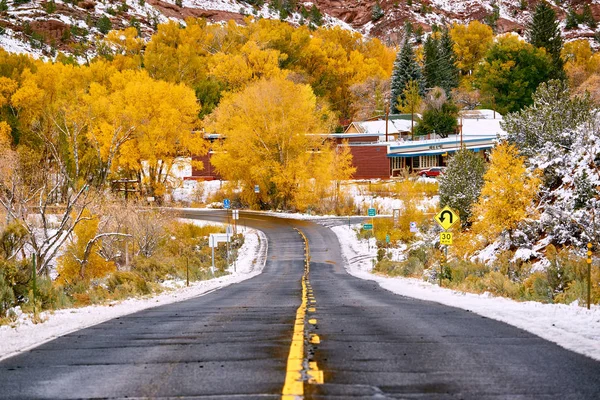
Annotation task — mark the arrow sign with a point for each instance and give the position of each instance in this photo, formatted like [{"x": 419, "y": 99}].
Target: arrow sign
[{"x": 446, "y": 218}]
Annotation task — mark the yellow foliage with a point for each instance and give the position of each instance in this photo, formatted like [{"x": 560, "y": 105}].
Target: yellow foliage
[
  {"x": 72, "y": 265},
  {"x": 471, "y": 42},
  {"x": 507, "y": 194},
  {"x": 268, "y": 143}
]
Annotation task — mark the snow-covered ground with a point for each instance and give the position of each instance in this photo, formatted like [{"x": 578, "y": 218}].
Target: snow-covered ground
[
  {"x": 570, "y": 326},
  {"x": 25, "y": 335}
]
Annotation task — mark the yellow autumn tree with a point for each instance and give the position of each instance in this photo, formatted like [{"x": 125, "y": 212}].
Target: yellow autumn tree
[
  {"x": 270, "y": 128},
  {"x": 471, "y": 42},
  {"x": 507, "y": 195},
  {"x": 81, "y": 261},
  {"x": 162, "y": 118}
]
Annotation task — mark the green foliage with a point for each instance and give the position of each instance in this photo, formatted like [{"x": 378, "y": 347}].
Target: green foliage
[
  {"x": 315, "y": 17},
  {"x": 179, "y": 3},
  {"x": 124, "y": 284},
  {"x": 511, "y": 72},
  {"x": 551, "y": 119},
  {"x": 104, "y": 24},
  {"x": 377, "y": 12},
  {"x": 543, "y": 31},
  {"x": 492, "y": 19},
  {"x": 441, "y": 121},
  {"x": 523, "y": 5},
  {"x": 405, "y": 70},
  {"x": 3, "y": 6},
  {"x": 461, "y": 185},
  {"x": 572, "y": 20},
  {"x": 584, "y": 191},
  {"x": 7, "y": 296},
  {"x": 208, "y": 93},
  {"x": 587, "y": 17},
  {"x": 50, "y": 6},
  {"x": 12, "y": 239},
  {"x": 439, "y": 63}
]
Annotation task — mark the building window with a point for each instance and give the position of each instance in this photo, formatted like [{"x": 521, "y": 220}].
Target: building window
[
  {"x": 428, "y": 161},
  {"x": 398, "y": 163}
]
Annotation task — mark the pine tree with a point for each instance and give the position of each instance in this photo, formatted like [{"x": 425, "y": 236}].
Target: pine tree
[
  {"x": 3, "y": 6},
  {"x": 431, "y": 62},
  {"x": 461, "y": 184},
  {"x": 104, "y": 25},
  {"x": 448, "y": 69},
  {"x": 572, "y": 20},
  {"x": 376, "y": 12},
  {"x": 405, "y": 70},
  {"x": 543, "y": 31},
  {"x": 587, "y": 17}
]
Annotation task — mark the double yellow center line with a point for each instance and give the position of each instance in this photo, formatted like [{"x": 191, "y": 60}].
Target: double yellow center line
[{"x": 299, "y": 369}]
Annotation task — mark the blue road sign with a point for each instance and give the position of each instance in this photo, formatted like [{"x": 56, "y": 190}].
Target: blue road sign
[
  {"x": 372, "y": 212},
  {"x": 226, "y": 204},
  {"x": 256, "y": 189}
]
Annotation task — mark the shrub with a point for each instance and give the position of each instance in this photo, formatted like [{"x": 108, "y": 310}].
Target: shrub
[
  {"x": 125, "y": 284},
  {"x": 7, "y": 296},
  {"x": 152, "y": 269},
  {"x": 500, "y": 285}
]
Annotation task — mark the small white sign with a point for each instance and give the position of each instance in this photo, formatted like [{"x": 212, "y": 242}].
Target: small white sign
[{"x": 413, "y": 227}]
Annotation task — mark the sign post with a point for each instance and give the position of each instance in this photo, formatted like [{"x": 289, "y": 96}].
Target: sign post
[
  {"x": 445, "y": 219},
  {"x": 589, "y": 263}
]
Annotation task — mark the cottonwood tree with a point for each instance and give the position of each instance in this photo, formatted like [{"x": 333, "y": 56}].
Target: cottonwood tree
[
  {"x": 511, "y": 72},
  {"x": 507, "y": 195},
  {"x": 471, "y": 43},
  {"x": 270, "y": 142}
]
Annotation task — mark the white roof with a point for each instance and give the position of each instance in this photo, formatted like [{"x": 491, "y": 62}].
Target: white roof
[
  {"x": 481, "y": 114},
  {"x": 394, "y": 126},
  {"x": 480, "y": 127}
]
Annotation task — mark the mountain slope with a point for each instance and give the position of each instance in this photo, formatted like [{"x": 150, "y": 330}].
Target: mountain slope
[{"x": 44, "y": 27}]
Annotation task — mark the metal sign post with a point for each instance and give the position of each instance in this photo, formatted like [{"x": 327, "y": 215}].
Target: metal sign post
[
  {"x": 446, "y": 219},
  {"x": 589, "y": 275}
]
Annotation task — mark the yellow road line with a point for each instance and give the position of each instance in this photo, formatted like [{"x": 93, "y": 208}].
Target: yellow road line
[{"x": 293, "y": 387}]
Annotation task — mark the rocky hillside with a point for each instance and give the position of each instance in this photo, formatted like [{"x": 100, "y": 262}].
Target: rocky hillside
[{"x": 74, "y": 26}]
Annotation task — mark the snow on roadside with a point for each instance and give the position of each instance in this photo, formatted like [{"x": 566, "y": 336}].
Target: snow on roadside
[
  {"x": 570, "y": 326},
  {"x": 26, "y": 335}
]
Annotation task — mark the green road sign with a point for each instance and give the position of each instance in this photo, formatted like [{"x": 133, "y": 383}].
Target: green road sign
[
  {"x": 372, "y": 212},
  {"x": 368, "y": 226},
  {"x": 387, "y": 238}
]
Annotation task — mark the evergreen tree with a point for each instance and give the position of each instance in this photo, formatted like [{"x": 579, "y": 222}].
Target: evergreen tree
[
  {"x": 405, "y": 70},
  {"x": 431, "y": 62},
  {"x": 316, "y": 18},
  {"x": 104, "y": 25},
  {"x": 439, "y": 63},
  {"x": 543, "y": 31},
  {"x": 376, "y": 12},
  {"x": 588, "y": 18},
  {"x": 448, "y": 70},
  {"x": 461, "y": 185},
  {"x": 3, "y": 6},
  {"x": 572, "y": 20}
]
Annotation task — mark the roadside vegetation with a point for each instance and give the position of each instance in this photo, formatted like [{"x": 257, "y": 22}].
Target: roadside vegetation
[{"x": 119, "y": 252}]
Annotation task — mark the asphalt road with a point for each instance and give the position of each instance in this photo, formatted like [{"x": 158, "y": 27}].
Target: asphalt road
[{"x": 234, "y": 343}]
